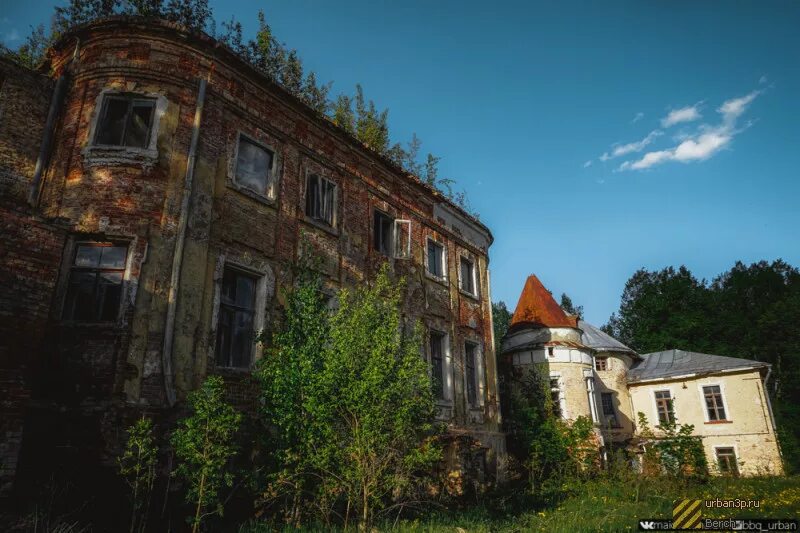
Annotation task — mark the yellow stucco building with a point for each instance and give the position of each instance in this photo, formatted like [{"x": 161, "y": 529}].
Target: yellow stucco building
[{"x": 594, "y": 375}]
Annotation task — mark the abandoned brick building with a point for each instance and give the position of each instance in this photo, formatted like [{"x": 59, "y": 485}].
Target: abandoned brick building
[{"x": 156, "y": 191}]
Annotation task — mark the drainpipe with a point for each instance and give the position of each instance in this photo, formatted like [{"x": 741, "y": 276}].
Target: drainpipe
[
  {"x": 47, "y": 137},
  {"x": 769, "y": 408},
  {"x": 177, "y": 258}
]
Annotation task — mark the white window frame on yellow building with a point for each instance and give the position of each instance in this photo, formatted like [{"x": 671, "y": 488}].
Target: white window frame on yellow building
[
  {"x": 656, "y": 420},
  {"x": 735, "y": 448},
  {"x": 721, "y": 385}
]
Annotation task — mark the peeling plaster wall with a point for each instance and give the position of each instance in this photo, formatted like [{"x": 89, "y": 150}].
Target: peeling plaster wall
[{"x": 748, "y": 430}]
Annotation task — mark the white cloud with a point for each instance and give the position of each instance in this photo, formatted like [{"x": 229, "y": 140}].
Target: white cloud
[
  {"x": 731, "y": 109},
  {"x": 762, "y": 80},
  {"x": 587, "y": 164},
  {"x": 684, "y": 114},
  {"x": 628, "y": 148},
  {"x": 705, "y": 143},
  {"x": 639, "y": 116}
]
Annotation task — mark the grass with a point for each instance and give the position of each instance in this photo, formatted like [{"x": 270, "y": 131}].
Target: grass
[{"x": 617, "y": 506}]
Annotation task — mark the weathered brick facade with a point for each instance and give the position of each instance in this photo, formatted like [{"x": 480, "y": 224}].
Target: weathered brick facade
[{"x": 100, "y": 372}]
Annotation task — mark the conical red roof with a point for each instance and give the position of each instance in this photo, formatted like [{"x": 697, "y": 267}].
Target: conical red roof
[{"x": 536, "y": 306}]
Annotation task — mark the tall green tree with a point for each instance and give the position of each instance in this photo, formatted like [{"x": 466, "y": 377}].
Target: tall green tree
[
  {"x": 371, "y": 125},
  {"x": 204, "y": 446},
  {"x": 33, "y": 51},
  {"x": 569, "y": 307},
  {"x": 501, "y": 318}
]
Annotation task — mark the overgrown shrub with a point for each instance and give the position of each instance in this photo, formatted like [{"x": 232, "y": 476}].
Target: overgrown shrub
[
  {"x": 674, "y": 452},
  {"x": 350, "y": 405},
  {"x": 552, "y": 452}
]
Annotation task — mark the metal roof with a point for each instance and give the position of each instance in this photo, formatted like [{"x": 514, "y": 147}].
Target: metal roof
[
  {"x": 599, "y": 340},
  {"x": 673, "y": 363}
]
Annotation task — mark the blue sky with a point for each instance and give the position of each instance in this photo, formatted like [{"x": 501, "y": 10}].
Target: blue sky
[{"x": 594, "y": 138}]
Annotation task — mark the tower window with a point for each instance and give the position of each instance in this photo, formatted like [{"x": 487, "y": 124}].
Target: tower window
[{"x": 125, "y": 120}]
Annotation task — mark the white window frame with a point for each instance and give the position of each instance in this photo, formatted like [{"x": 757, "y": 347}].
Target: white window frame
[
  {"x": 272, "y": 177},
  {"x": 656, "y": 420},
  {"x": 335, "y": 215},
  {"x": 480, "y": 377},
  {"x": 562, "y": 402},
  {"x": 398, "y": 250},
  {"x": 447, "y": 369},
  {"x": 265, "y": 286},
  {"x": 443, "y": 247},
  {"x": 473, "y": 261},
  {"x": 728, "y": 416}
]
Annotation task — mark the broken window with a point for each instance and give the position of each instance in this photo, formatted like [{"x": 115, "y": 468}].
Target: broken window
[
  {"x": 435, "y": 259},
  {"x": 253, "y": 166},
  {"x": 235, "y": 327},
  {"x": 714, "y": 405},
  {"x": 94, "y": 290},
  {"x": 601, "y": 363},
  {"x": 470, "y": 361},
  {"x": 320, "y": 199},
  {"x": 666, "y": 414},
  {"x": 726, "y": 459},
  {"x": 607, "y": 401},
  {"x": 402, "y": 239},
  {"x": 437, "y": 363},
  {"x": 467, "y": 276},
  {"x": 555, "y": 396},
  {"x": 125, "y": 120},
  {"x": 383, "y": 229}
]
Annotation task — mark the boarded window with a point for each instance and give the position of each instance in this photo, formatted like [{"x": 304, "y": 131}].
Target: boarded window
[
  {"x": 437, "y": 363},
  {"x": 470, "y": 362},
  {"x": 666, "y": 414},
  {"x": 253, "y": 166},
  {"x": 125, "y": 120},
  {"x": 555, "y": 397},
  {"x": 714, "y": 405},
  {"x": 320, "y": 199},
  {"x": 94, "y": 292},
  {"x": 601, "y": 363},
  {"x": 383, "y": 226},
  {"x": 235, "y": 327},
  {"x": 467, "y": 276},
  {"x": 435, "y": 259},
  {"x": 726, "y": 460}
]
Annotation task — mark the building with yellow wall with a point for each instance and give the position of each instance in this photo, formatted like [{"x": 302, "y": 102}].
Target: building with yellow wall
[{"x": 592, "y": 374}]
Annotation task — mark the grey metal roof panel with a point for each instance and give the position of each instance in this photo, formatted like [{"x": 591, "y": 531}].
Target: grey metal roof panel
[
  {"x": 599, "y": 340},
  {"x": 670, "y": 363}
]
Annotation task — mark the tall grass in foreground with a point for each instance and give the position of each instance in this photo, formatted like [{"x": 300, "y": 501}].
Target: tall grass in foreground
[{"x": 607, "y": 505}]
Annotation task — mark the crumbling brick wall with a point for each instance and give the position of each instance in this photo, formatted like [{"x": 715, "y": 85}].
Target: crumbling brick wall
[{"x": 134, "y": 196}]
